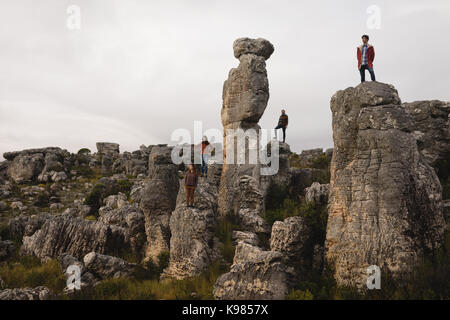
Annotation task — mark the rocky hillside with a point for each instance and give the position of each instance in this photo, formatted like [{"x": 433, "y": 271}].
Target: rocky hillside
[{"x": 379, "y": 197}]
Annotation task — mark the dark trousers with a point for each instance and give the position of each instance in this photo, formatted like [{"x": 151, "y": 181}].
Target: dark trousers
[
  {"x": 362, "y": 71},
  {"x": 190, "y": 190},
  {"x": 204, "y": 167},
  {"x": 284, "y": 131}
]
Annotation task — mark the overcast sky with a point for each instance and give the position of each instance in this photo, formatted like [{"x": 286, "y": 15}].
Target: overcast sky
[{"x": 137, "y": 70}]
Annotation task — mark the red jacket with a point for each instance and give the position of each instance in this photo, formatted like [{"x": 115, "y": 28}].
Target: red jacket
[{"x": 370, "y": 55}]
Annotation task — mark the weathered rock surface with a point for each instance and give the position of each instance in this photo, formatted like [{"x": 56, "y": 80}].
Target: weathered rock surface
[
  {"x": 245, "y": 97},
  {"x": 291, "y": 237},
  {"x": 317, "y": 193},
  {"x": 250, "y": 238},
  {"x": 36, "y": 164},
  {"x": 104, "y": 267},
  {"x": 38, "y": 293},
  {"x": 26, "y": 225},
  {"x": 75, "y": 236},
  {"x": 431, "y": 128},
  {"x": 86, "y": 277},
  {"x": 385, "y": 204},
  {"x": 255, "y": 274},
  {"x": 193, "y": 246},
  {"x": 158, "y": 200}
]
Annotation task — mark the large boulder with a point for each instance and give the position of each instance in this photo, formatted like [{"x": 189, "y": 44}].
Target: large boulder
[
  {"x": 105, "y": 267},
  {"x": 292, "y": 237},
  {"x": 385, "y": 205},
  {"x": 254, "y": 275}
]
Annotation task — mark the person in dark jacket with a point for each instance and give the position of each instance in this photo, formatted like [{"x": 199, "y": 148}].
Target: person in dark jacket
[
  {"x": 190, "y": 183},
  {"x": 204, "y": 167},
  {"x": 282, "y": 124}
]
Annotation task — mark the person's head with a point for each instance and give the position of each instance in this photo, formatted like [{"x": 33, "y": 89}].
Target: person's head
[
  {"x": 283, "y": 111},
  {"x": 191, "y": 168},
  {"x": 365, "y": 38},
  {"x": 205, "y": 138}
]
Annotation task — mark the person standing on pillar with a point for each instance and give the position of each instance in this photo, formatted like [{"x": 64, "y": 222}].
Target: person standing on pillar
[
  {"x": 365, "y": 54},
  {"x": 282, "y": 124}
]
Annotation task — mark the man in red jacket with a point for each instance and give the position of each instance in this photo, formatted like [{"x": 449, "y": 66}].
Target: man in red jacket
[{"x": 365, "y": 54}]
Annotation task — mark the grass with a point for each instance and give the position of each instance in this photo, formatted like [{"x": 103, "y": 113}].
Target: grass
[
  {"x": 128, "y": 289},
  {"x": 30, "y": 272}
]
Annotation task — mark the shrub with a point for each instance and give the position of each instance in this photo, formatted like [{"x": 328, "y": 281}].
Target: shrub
[
  {"x": 124, "y": 186},
  {"x": 83, "y": 151},
  {"x": 276, "y": 194},
  {"x": 95, "y": 198},
  {"x": 300, "y": 295},
  {"x": 289, "y": 208}
]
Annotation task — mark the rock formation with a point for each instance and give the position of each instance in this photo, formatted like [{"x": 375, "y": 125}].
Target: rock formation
[
  {"x": 158, "y": 200},
  {"x": 245, "y": 97},
  {"x": 385, "y": 204},
  {"x": 38, "y": 293},
  {"x": 431, "y": 128},
  {"x": 317, "y": 193},
  {"x": 75, "y": 236},
  {"x": 254, "y": 275},
  {"x": 193, "y": 244}
]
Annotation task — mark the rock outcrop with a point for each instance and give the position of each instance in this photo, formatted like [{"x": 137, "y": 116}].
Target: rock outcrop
[
  {"x": 431, "y": 128},
  {"x": 245, "y": 97},
  {"x": 158, "y": 200},
  {"x": 254, "y": 275},
  {"x": 38, "y": 293},
  {"x": 385, "y": 204},
  {"x": 75, "y": 236},
  {"x": 317, "y": 193},
  {"x": 37, "y": 164},
  {"x": 106, "y": 267}
]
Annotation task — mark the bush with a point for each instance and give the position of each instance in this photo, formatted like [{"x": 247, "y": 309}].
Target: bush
[
  {"x": 300, "y": 295},
  {"x": 276, "y": 195},
  {"x": 4, "y": 232},
  {"x": 224, "y": 231},
  {"x": 124, "y": 186},
  {"x": 289, "y": 208},
  {"x": 84, "y": 151},
  {"x": 95, "y": 198}
]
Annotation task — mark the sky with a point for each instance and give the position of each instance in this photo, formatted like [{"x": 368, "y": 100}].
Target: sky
[{"x": 136, "y": 70}]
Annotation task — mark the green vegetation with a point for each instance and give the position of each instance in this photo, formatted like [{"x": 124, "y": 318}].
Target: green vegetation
[
  {"x": 224, "y": 231},
  {"x": 28, "y": 271},
  {"x": 100, "y": 191},
  {"x": 83, "y": 151},
  {"x": 131, "y": 289},
  {"x": 443, "y": 172},
  {"x": 429, "y": 280}
]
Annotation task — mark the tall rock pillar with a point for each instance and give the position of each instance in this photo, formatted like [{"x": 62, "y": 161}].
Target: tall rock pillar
[{"x": 245, "y": 97}]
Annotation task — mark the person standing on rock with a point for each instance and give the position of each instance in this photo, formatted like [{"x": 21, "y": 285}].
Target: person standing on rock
[
  {"x": 282, "y": 124},
  {"x": 190, "y": 183},
  {"x": 204, "y": 167},
  {"x": 365, "y": 54}
]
